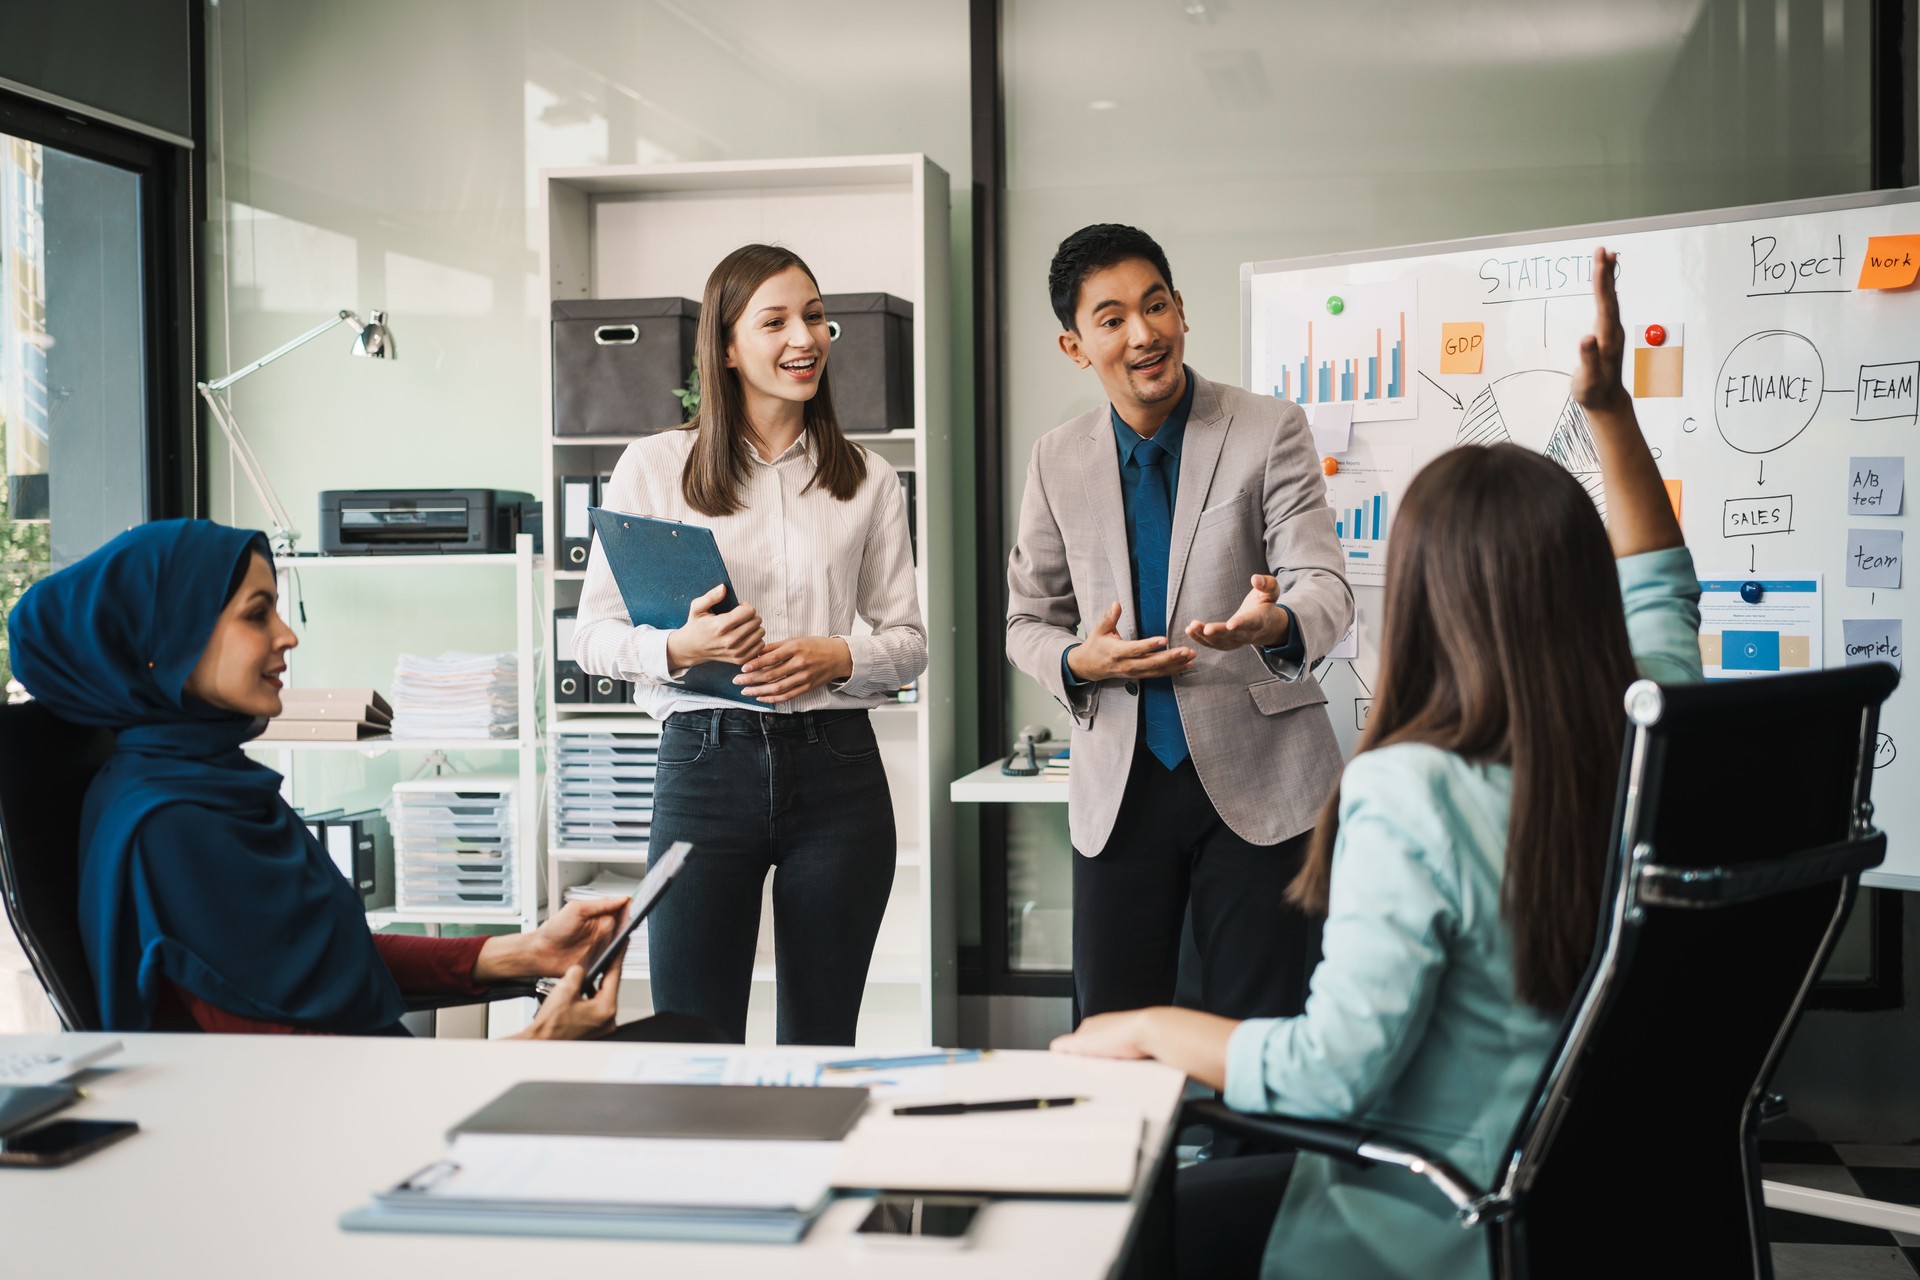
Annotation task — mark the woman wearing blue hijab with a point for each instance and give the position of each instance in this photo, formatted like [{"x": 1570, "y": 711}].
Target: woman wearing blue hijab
[{"x": 204, "y": 900}]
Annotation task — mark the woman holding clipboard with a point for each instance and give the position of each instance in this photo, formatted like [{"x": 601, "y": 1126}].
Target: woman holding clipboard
[{"x": 813, "y": 531}]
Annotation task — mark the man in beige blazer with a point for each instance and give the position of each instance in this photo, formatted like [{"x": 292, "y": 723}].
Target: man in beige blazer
[{"x": 1186, "y": 522}]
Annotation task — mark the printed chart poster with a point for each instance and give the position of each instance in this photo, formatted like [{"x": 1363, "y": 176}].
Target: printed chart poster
[
  {"x": 1364, "y": 494},
  {"x": 1343, "y": 344},
  {"x": 1781, "y": 632}
]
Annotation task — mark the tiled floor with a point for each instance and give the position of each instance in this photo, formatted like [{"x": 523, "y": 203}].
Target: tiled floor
[{"x": 1807, "y": 1248}]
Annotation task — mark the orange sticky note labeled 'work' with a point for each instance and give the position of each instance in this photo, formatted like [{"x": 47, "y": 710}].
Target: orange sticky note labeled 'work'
[
  {"x": 1462, "y": 346},
  {"x": 1892, "y": 262}
]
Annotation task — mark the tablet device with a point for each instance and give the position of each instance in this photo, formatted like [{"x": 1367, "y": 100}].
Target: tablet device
[
  {"x": 661, "y": 568},
  {"x": 659, "y": 877}
]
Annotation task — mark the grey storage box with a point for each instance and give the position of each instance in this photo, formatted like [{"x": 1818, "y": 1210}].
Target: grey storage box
[
  {"x": 617, "y": 363},
  {"x": 871, "y": 367}
]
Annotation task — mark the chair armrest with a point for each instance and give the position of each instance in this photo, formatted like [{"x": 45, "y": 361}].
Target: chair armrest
[
  {"x": 457, "y": 1000},
  {"x": 1329, "y": 1138},
  {"x": 1351, "y": 1143}
]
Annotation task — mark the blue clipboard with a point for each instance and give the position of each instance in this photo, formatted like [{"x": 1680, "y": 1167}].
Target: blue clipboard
[{"x": 662, "y": 567}]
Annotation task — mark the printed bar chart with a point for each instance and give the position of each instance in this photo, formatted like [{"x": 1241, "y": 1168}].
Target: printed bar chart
[
  {"x": 1353, "y": 384},
  {"x": 1367, "y": 522},
  {"x": 1362, "y": 494},
  {"x": 1357, "y": 355}
]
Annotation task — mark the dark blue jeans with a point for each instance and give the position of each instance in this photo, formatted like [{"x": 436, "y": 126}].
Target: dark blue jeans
[{"x": 805, "y": 796}]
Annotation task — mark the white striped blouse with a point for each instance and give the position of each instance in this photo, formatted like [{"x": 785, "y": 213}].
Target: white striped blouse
[{"x": 808, "y": 562}]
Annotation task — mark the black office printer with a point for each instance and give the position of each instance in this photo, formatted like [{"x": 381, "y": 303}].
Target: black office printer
[{"x": 358, "y": 522}]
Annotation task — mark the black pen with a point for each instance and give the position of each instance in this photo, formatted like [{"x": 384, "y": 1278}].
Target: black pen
[{"x": 962, "y": 1108}]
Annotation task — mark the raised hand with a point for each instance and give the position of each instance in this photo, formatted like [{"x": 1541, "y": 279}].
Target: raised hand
[
  {"x": 1639, "y": 515},
  {"x": 1597, "y": 385}
]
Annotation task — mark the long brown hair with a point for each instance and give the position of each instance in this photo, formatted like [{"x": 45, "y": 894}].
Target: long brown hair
[
  {"x": 722, "y": 455},
  {"x": 1504, "y": 641}
]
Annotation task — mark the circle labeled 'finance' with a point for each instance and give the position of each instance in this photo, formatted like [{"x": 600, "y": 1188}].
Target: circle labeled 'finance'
[{"x": 1769, "y": 388}]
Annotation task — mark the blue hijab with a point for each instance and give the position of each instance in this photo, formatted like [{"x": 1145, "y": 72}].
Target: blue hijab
[{"x": 192, "y": 867}]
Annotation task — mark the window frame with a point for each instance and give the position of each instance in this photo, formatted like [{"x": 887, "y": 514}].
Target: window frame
[{"x": 169, "y": 188}]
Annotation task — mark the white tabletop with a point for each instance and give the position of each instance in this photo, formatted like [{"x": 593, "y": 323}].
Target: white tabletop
[
  {"x": 987, "y": 785},
  {"x": 252, "y": 1146}
]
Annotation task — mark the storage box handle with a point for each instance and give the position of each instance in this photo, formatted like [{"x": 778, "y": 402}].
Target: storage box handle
[
  {"x": 833, "y": 331},
  {"x": 617, "y": 335}
]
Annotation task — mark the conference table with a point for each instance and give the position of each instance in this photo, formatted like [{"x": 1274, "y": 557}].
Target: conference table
[{"x": 251, "y": 1147}]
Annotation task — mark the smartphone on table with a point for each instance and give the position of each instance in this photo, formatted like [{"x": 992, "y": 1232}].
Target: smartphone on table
[
  {"x": 61, "y": 1142},
  {"x": 940, "y": 1222}
]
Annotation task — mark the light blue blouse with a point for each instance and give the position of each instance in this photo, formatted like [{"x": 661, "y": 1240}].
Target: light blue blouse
[{"x": 1411, "y": 1024}]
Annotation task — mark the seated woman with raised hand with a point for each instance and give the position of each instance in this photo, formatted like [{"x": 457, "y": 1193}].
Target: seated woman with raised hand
[
  {"x": 1462, "y": 860},
  {"x": 205, "y": 903}
]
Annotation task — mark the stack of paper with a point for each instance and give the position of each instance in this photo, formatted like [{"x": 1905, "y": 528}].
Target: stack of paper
[
  {"x": 330, "y": 715},
  {"x": 611, "y": 885},
  {"x": 1057, "y": 765},
  {"x": 457, "y": 695}
]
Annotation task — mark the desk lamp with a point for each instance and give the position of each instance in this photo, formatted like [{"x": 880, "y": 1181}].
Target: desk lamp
[{"x": 371, "y": 339}]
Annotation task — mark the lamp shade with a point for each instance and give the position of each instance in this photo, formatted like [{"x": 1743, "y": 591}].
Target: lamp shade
[{"x": 374, "y": 338}]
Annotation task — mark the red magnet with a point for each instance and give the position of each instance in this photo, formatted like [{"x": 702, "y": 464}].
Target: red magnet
[{"x": 1656, "y": 334}]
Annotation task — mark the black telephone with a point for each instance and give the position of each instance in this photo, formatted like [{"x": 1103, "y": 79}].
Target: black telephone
[{"x": 1024, "y": 761}]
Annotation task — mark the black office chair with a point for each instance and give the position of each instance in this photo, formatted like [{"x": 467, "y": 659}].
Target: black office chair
[
  {"x": 1743, "y": 824},
  {"x": 46, "y": 765}
]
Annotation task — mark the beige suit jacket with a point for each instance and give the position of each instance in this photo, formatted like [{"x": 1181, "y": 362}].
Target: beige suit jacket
[{"x": 1252, "y": 500}]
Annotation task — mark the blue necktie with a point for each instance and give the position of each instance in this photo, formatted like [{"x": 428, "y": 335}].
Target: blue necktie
[{"x": 1152, "y": 545}]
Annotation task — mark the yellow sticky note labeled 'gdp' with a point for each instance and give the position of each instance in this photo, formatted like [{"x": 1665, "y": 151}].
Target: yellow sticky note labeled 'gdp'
[{"x": 1463, "y": 346}]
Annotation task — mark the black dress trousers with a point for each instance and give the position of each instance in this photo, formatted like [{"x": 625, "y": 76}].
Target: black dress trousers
[{"x": 1170, "y": 851}]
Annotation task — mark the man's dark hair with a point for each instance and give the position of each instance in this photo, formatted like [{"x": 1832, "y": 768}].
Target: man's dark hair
[{"x": 1095, "y": 248}]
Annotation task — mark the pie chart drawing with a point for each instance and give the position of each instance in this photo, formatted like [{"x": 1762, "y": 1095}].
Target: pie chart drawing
[{"x": 1534, "y": 409}]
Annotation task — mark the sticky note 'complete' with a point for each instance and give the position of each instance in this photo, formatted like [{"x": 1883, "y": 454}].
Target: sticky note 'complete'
[
  {"x": 1463, "y": 346},
  {"x": 1871, "y": 640},
  {"x": 1891, "y": 262},
  {"x": 1873, "y": 557}
]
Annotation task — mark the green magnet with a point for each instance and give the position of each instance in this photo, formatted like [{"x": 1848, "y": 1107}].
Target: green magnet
[{"x": 1335, "y": 306}]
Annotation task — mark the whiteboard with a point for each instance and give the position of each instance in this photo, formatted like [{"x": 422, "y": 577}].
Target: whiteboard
[{"x": 1773, "y": 371}]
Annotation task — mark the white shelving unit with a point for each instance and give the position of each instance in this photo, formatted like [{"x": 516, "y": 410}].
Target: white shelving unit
[
  {"x": 529, "y": 615},
  {"x": 865, "y": 224}
]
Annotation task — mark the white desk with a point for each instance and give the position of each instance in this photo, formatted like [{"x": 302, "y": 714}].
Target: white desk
[
  {"x": 987, "y": 785},
  {"x": 252, "y": 1146}
]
